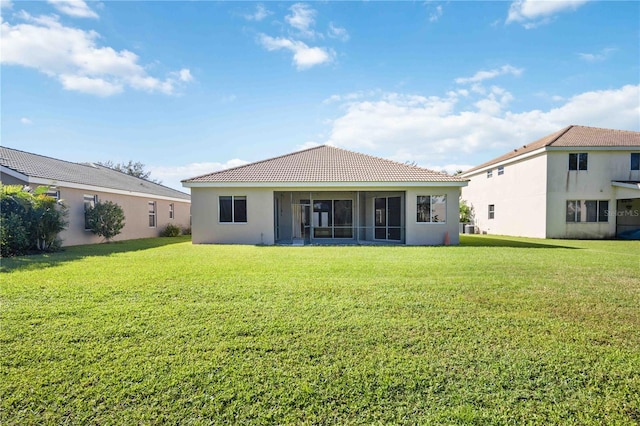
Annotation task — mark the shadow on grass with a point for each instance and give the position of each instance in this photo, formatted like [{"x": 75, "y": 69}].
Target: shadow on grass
[
  {"x": 70, "y": 254},
  {"x": 493, "y": 241}
]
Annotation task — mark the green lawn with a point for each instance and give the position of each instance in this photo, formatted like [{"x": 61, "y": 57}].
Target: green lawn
[{"x": 496, "y": 331}]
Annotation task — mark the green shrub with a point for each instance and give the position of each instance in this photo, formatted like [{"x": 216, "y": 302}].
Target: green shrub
[
  {"x": 171, "y": 231},
  {"x": 105, "y": 219},
  {"x": 14, "y": 237},
  {"x": 29, "y": 221}
]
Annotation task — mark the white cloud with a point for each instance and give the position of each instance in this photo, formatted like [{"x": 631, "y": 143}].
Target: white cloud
[
  {"x": 92, "y": 86},
  {"x": 486, "y": 75},
  {"x": 172, "y": 175},
  {"x": 436, "y": 14},
  {"x": 25, "y": 121},
  {"x": 303, "y": 56},
  {"x": 75, "y": 8},
  {"x": 6, "y": 4},
  {"x": 533, "y": 13},
  {"x": 436, "y": 130},
  {"x": 260, "y": 13},
  {"x": 72, "y": 56},
  {"x": 337, "y": 32},
  {"x": 597, "y": 57},
  {"x": 302, "y": 18}
]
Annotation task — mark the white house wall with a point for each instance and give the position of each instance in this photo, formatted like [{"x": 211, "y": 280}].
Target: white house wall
[
  {"x": 592, "y": 184},
  {"x": 260, "y": 225},
  {"x": 518, "y": 196},
  {"x": 206, "y": 226}
]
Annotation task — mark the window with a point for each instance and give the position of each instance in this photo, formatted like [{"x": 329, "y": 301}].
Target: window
[
  {"x": 333, "y": 218},
  {"x": 489, "y": 173},
  {"x": 89, "y": 202},
  {"x": 500, "y": 170},
  {"x": 431, "y": 208},
  {"x": 492, "y": 211},
  {"x": 343, "y": 219},
  {"x": 635, "y": 161},
  {"x": 53, "y": 193},
  {"x": 152, "y": 214},
  {"x": 233, "y": 209},
  {"x": 578, "y": 161},
  {"x": 587, "y": 211},
  {"x": 171, "y": 211}
]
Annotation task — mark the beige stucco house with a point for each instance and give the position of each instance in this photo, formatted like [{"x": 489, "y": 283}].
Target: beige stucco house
[
  {"x": 148, "y": 207},
  {"x": 580, "y": 182},
  {"x": 325, "y": 195}
]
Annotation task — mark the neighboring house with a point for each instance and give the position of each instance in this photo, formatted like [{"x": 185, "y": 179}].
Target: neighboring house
[
  {"x": 580, "y": 182},
  {"x": 325, "y": 195},
  {"x": 148, "y": 207}
]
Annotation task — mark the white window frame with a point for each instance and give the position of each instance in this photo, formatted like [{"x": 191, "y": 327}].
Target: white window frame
[
  {"x": 578, "y": 156},
  {"x": 233, "y": 220},
  {"x": 489, "y": 173},
  {"x": 433, "y": 199},
  {"x": 581, "y": 213},
  {"x": 153, "y": 213},
  {"x": 172, "y": 212},
  {"x": 500, "y": 170},
  {"x": 492, "y": 211},
  {"x": 93, "y": 200},
  {"x": 631, "y": 158}
]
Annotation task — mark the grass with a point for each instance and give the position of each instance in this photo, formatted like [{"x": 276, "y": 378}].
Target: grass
[{"x": 495, "y": 331}]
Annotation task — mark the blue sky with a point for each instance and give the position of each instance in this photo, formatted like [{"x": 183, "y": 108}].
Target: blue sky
[{"x": 192, "y": 87}]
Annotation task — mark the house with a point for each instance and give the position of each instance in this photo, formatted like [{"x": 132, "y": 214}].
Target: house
[
  {"x": 148, "y": 207},
  {"x": 325, "y": 195},
  {"x": 580, "y": 182}
]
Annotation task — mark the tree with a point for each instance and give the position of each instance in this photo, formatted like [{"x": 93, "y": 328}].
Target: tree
[
  {"x": 29, "y": 220},
  {"x": 105, "y": 219},
  {"x": 132, "y": 169},
  {"x": 467, "y": 214}
]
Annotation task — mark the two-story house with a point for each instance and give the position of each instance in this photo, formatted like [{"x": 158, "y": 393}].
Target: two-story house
[{"x": 580, "y": 182}]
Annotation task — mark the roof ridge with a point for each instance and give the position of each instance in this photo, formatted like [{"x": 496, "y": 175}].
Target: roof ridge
[
  {"x": 45, "y": 156},
  {"x": 83, "y": 168},
  {"x": 562, "y": 133},
  {"x": 388, "y": 160},
  {"x": 253, "y": 163},
  {"x": 325, "y": 146},
  {"x": 561, "y": 138}
]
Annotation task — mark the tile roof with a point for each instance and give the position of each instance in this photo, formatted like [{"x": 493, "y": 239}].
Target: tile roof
[
  {"x": 38, "y": 166},
  {"x": 324, "y": 164},
  {"x": 573, "y": 136}
]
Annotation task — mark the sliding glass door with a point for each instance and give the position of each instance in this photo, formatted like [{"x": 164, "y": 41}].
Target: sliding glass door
[
  {"x": 333, "y": 218},
  {"x": 388, "y": 218}
]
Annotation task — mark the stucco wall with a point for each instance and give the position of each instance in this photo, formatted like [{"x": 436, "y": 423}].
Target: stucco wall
[
  {"x": 260, "y": 225},
  {"x": 206, "y": 228},
  {"x": 591, "y": 184},
  {"x": 136, "y": 216},
  {"x": 433, "y": 233},
  {"x": 519, "y": 197}
]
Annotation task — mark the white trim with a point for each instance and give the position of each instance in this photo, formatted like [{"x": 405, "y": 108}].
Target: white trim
[
  {"x": 13, "y": 173},
  {"x": 84, "y": 187},
  {"x": 345, "y": 185},
  {"x": 626, "y": 185},
  {"x": 515, "y": 159},
  {"x": 526, "y": 155}
]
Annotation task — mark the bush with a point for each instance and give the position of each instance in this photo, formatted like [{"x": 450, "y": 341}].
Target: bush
[
  {"x": 14, "y": 237},
  {"x": 171, "y": 231},
  {"x": 105, "y": 219},
  {"x": 29, "y": 221}
]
